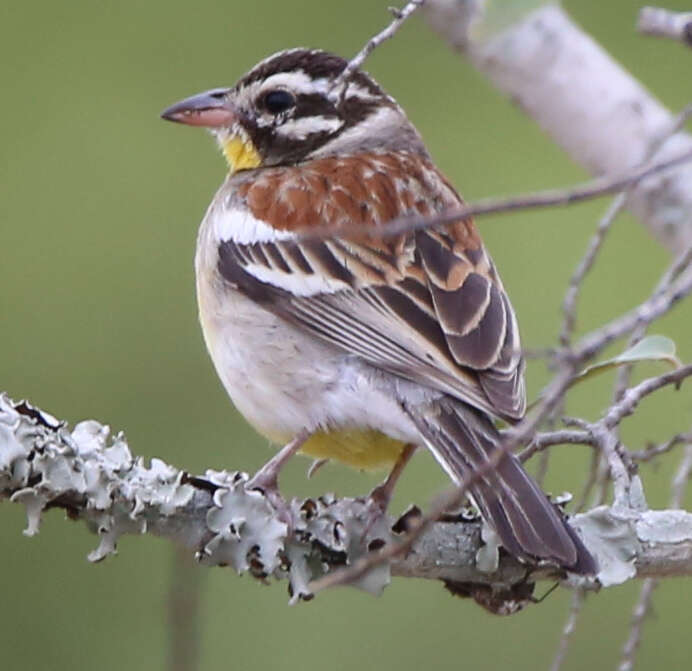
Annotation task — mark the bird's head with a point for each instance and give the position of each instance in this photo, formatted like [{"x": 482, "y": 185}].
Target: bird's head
[{"x": 292, "y": 107}]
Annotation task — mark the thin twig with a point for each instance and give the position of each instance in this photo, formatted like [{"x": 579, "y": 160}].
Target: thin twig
[
  {"x": 650, "y": 310},
  {"x": 400, "y": 17},
  {"x": 521, "y": 434},
  {"x": 653, "y": 451},
  {"x": 680, "y": 264},
  {"x": 634, "y": 395},
  {"x": 541, "y": 441},
  {"x": 594, "y": 469},
  {"x": 639, "y": 613},
  {"x": 569, "y": 305},
  {"x": 569, "y": 629},
  {"x": 184, "y": 595},
  {"x": 597, "y": 188},
  {"x": 602, "y": 482}
]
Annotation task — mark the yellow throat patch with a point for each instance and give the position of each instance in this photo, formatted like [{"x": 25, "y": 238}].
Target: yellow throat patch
[{"x": 240, "y": 154}]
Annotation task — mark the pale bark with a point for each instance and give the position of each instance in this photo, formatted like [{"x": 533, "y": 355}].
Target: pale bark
[{"x": 588, "y": 103}]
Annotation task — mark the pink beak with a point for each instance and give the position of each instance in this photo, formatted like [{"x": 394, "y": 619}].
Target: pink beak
[{"x": 209, "y": 109}]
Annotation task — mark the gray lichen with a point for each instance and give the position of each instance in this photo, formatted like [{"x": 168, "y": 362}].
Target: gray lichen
[{"x": 94, "y": 477}]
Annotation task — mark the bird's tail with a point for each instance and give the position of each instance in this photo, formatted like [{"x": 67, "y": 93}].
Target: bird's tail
[{"x": 462, "y": 440}]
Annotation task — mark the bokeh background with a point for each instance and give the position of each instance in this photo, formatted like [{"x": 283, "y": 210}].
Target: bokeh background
[{"x": 99, "y": 205}]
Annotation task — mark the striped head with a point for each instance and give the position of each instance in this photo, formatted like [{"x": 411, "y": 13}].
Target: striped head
[{"x": 291, "y": 107}]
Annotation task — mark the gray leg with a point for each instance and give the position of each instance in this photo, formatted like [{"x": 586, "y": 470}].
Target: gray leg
[
  {"x": 382, "y": 494},
  {"x": 267, "y": 478}
]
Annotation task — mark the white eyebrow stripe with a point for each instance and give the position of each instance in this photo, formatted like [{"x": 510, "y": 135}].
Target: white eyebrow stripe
[
  {"x": 296, "y": 81},
  {"x": 382, "y": 123},
  {"x": 356, "y": 91},
  {"x": 304, "y": 126}
]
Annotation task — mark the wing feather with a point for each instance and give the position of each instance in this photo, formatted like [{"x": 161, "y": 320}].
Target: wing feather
[{"x": 428, "y": 306}]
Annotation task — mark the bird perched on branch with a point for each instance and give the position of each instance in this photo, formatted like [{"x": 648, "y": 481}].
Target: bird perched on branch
[{"x": 358, "y": 345}]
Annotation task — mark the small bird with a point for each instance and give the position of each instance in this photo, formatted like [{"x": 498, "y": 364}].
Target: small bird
[{"x": 361, "y": 345}]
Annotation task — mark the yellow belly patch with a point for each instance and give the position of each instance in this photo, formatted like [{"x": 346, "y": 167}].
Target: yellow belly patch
[{"x": 362, "y": 449}]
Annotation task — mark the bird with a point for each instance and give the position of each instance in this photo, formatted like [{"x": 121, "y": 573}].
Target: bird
[{"x": 359, "y": 345}]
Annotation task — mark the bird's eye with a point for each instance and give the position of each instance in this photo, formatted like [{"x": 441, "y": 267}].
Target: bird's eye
[{"x": 278, "y": 101}]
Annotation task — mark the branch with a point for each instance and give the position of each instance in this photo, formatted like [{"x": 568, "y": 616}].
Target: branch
[
  {"x": 591, "y": 106},
  {"x": 95, "y": 479},
  {"x": 664, "y": 23},
  {"x": 632, "y": 397},
  {"x": 569, "y": 305}
]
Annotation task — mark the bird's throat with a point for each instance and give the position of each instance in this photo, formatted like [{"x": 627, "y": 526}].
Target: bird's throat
[{"x": 240, "y": 153}]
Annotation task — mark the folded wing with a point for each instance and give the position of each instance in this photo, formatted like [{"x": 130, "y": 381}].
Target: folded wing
[{"x": 428, "y": 306}]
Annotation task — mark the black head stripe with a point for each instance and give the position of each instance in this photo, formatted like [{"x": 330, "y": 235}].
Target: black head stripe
[
  {"x": 289, "y": 137},
  {"x": 314, "y": 63},
  {"x": 313, "y": 104}
]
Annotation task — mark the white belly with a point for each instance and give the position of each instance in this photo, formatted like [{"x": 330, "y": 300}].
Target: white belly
[{"x": 281, "y": 379}]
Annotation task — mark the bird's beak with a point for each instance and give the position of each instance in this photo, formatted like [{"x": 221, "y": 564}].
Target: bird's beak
[{"x": 210, "y": 109}]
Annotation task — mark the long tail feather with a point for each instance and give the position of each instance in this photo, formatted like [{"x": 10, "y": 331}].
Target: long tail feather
[{"x": 462, "y": 439}]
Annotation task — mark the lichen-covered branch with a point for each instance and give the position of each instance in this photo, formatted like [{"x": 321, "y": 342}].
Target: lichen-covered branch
[
  {"x": 95, "y": 479},
  {"x": 589, "y": 104}
]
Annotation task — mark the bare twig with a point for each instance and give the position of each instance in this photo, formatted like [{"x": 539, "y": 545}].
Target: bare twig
[
  {"x": 569, "y": 629},
  {"x": 184, "y": 595},
  {"x": 650, "y": 310},
  {"x": 679, "y": 265},
  {"x": 634, "y": 395},
  {"x": 600, "y": 434},
  {"x": 569, "y": 305},
  {"x": 664, "y": 23},
  {"x": 641, "y": 609},
  {"x": 594, "y": 470},
  {"x": 400, "y": 17},
  {"x": 653, "y": 451},
  {"x": 522, "y": 433},
  {"x": 541, "y": 441}
]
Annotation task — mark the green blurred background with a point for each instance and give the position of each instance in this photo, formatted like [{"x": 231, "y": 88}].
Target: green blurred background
[{"x": 99, "y": 205}]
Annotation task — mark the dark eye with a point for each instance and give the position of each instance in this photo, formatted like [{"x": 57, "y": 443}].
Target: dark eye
[{"x": 278, "y": 101}]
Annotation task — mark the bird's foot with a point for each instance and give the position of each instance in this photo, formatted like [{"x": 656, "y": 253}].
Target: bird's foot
[
  {"x": 266, "y": 479},
  {"x": 380, "y": 497}
]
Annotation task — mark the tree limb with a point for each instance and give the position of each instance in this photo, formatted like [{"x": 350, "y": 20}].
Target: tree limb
[
  {"x": 664, "y": 23},
  {"x": 590, "y": 105},
  {"x": 95, "y": 479}
]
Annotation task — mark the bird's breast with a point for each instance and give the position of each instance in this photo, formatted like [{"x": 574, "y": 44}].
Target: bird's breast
[{"x": 284, "y": 380}]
